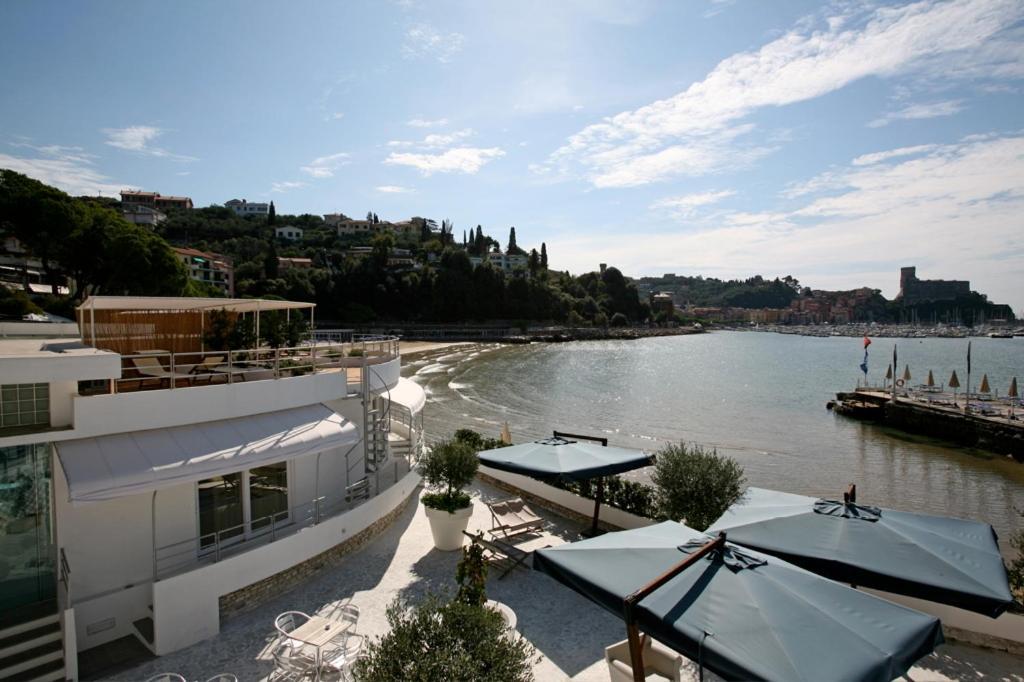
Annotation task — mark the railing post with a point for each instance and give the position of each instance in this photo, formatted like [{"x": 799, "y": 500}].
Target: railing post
[
  {"x": 277, "y": 363},
  {"x": 173, "y": 382},
  {"x": 231, "y": 372},
  {"x": 216, "y": 546}
]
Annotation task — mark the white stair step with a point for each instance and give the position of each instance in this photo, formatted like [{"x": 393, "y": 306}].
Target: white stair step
[
  {"x": 29, "y": 662},
  {"x": 28, "y": 625}
]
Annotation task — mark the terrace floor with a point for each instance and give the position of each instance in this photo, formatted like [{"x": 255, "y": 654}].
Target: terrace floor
[{"x": 569, "y": 632}]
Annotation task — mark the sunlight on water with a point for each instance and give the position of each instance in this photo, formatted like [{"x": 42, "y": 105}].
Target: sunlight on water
[{"x": 758, "y": 397}]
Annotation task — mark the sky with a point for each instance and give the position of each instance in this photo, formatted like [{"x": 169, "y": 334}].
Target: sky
[{"x": 831, "y": 141}]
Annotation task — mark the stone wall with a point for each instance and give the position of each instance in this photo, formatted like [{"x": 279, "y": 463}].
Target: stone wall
[{"x": 251, "y": 596}]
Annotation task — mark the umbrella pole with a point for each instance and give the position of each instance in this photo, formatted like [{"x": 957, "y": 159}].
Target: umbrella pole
[
  {"x": 636, "y": 654},
  {"x": 598, "y": 498}
]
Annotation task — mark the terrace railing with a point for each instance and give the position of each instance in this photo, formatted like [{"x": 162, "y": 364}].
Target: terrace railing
[
  {"x": 159, "y": 369},
  {"x": 209, "y": 548}
]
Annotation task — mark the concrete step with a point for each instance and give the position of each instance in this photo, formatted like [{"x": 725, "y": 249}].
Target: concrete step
[
  {"x": 144, "y": 631},
  {"x": 28, "y": 660},
  {"x": 29, "y": 639},
  {"x": 52, "y": 671},
  {"x": 27, "y": 618}
]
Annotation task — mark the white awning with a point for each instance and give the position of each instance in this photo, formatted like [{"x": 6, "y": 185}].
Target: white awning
[
  {"x": 170, "y": 303},
  {"x": 108, "y": 467},
  {"x": 409, "y": 394}
]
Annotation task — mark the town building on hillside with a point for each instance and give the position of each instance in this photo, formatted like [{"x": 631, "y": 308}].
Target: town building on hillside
[
  {"x": 289, "y": 232},
  {"x": 506, "y": 262},
  {"x": 334, "y": 219},
  {"x": 142, "y": 215},
  {"x": 209, "y": 268},
  {"x": 21, "y": 270},
  {"x": 347, "y": 227},
  {"x": 662, "y": 302},
  {"x": 154, "y": 200},
  {"x": 243, "y": 208},
  {"x": 286, "y": 263},
  {"x": 350, "y": 227},
  {"x": 914, "y": 290}
]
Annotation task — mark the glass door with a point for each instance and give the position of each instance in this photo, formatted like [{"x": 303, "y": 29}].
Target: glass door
[
  {"x": 221, "y": 510},
  {"x": 26, "y": 530}
]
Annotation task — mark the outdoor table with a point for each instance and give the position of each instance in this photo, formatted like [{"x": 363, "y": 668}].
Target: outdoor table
[{"x": 316, "y": 632}]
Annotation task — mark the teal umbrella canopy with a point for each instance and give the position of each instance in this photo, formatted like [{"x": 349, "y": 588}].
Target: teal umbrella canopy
[
  {"x": 946, "y": 560},
  {"x": 742, "y": 614},
  {"x": 564, "y": 459}
]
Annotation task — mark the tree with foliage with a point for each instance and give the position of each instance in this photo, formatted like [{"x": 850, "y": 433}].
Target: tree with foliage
[
  {"x": 694, "y": 485},
  {"x": 272, "y": 215},
  {"x": 513, "y": 247},
  {"x": 271, "y": 264},
  {"x": 455, "y": 641},
  {"x": 448, "y": 467},
  {"x": 471, "y": 574},
  {"x": 543, "y": 256},
  {"x": 533, "y": 264}
]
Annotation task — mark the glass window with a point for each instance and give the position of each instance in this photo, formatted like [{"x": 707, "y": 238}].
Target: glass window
[
  {"x": 268, "y": 494},
  {"x": 220, "y": 509},
  {"x": 24, "y": 405},
  {"x": 240, "y": 504}
]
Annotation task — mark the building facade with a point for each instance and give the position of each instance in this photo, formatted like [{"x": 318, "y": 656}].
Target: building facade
[
  {"x": 154, "y": 200},
  {"x": 141, "y": 497},
  {"x": 244, "y": 208},
  {"x": 142, "y": 215},
  {"x": 209, "y": 268},
  {"x": 289, "y": 232},
  {"x": 914, "y": 290}
]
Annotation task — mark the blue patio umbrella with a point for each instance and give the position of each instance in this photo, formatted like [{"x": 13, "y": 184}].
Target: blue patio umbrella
[
  {"x": 946, "y": 560},
  {"x": 564, "y": 458},
  {"x": 739, "y": 613}
]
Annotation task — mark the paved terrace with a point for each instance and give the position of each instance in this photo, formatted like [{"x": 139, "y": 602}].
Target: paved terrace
[{"x": 569, "y": 632}]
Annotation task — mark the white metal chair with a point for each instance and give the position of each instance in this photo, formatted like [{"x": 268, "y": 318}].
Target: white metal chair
[
  {"x": 286, "y": 623},
  {"x": 292, "y": 663},
  {"x": 658, "y": 661},
  {"x": 342, "y": 658},
  {"x": 167, "y": 677},
  {"x": 223, "y": 677}
]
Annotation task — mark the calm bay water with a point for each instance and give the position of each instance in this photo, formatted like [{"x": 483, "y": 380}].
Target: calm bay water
[{"x": 758, "y": 397}]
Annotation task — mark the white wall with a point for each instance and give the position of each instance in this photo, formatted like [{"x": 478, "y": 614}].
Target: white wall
[{"x": 186, "y": 607}]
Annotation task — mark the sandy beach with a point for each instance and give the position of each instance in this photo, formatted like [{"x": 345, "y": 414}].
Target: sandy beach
[{"x": 412, "y": 348}]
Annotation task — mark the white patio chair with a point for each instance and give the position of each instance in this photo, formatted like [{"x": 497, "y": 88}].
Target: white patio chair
[
  {"x": 223, "y": 677},
  {"x": 346, "y": 614},
  {"x": 658, "y": 660},
  {"x": 342, "y": 658},
  {"x": 167, "y": 677},
  {"x": 287, "y": 622},
  {"x": 292, "y": 663}
]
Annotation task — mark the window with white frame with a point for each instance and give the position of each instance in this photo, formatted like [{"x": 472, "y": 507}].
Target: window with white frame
[{"x": 24, "y": 405}]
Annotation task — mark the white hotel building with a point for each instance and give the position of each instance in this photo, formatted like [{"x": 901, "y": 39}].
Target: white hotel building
[{"x": 152, "y": 486}]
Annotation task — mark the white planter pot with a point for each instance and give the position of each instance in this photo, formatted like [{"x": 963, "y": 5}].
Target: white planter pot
[
  {"x": 447, "y": 527},
  {"x": 506, "y": 613}
]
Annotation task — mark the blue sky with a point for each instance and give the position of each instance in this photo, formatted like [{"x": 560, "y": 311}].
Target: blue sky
[{"x": 831, "y": 141}]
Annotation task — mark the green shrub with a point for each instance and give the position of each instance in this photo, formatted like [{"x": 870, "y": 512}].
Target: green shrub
[
  {"x": 356, "y": 353},
  {"x": 448, "y": 466},
  {"x": 694, "y": 485},
  {"x": 1015, "y": 570},
  {"x": 456, "y": 642},
  {"x": 478, "y": 442},
  {"x": 471, "y": 574},
  {"x": 629, "y": 496},
  {"x": 15, "y": 304},
  {"x": 619, "y": 320}
]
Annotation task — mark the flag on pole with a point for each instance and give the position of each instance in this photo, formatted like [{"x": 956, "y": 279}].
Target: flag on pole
[
  {"x": 864, "y": 365},
  {"x": 867, "y": 342},
  {"x": 968, "y": 357}
]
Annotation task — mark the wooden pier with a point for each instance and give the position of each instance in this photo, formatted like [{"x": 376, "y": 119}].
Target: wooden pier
[{"x": 996, "y": 428}]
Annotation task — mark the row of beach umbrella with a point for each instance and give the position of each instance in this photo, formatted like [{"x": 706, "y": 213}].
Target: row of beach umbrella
[
  {"x": 761, "y": 594},
  {"x": 954, "y": 381}
]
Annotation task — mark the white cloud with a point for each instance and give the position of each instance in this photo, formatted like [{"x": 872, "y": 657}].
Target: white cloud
[
  {"x": 424, "y": 123},
  {"x": 686, "y": 205},
  {"x": 878, "y": 157},
  {"x": 919, "y": 111},
  {"x": 458, "y": 160},
  {"x": 695, "y": 131},
  {"x": 394, "y": 189},
  {"x": 425, "y": 41},
  {"x": 956, "y": 210},
  {"x": 138, "y": 139},
  {"x": 324, "y": 166},
  {"x": 336, "y": 116},
  {"x": 435, "y": 140},
  {"x": 286, "y": 185},
  {"x": 66, "y": 168}
]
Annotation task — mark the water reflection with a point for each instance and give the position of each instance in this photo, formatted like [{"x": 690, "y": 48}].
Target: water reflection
[{"x": 758, "y": 397}]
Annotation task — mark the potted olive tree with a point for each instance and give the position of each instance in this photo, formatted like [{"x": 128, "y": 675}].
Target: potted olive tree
[{"x": 448, "y": 467}]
